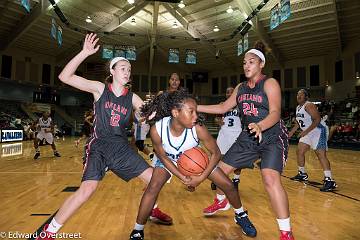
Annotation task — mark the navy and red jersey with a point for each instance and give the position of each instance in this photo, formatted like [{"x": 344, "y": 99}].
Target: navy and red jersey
[
  {"x": 254, "y": 107},
  {"x": 112, "y": 115}
]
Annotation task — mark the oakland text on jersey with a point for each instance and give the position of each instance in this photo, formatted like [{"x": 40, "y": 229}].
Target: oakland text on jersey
[
  {"x": 116, "y": 107},
  {"x": 301, "y": 115},
  {"x": 250, "y": 97}
]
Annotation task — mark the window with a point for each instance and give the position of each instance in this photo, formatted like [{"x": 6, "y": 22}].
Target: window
[
  {"x": 163, "y": 83},
  {"x": 135, "y": 83},
  {"x": 224, "y": 84},
  {"x": 6, "y": 66},
  {"x": 153, "y": 84},
  {"x": 277, "y": 75},
  {"x": 189, "y": 84},
  {"x": 301, "y": 76},
  {"x": 338, "y": 71},
  {"x": 144, "y": 83},
  {"x": 357, "y": 63},
  {"x": 288, "y": 78},
  {"x": 314, "y": 75},
  {"x": 215, "y": 86},
  {"x": 46, "y": 71}
]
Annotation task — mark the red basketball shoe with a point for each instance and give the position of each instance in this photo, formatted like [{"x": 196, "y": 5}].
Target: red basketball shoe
[
  {"x": 217, "y": 206},
  {"x": 45, "y": 235},
  {"x": 286, "y": 235},
  {"x": 158, "y": 216}
]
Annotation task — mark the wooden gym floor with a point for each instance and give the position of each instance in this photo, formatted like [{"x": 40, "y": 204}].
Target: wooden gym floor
[{"x": 31, "y": 191}]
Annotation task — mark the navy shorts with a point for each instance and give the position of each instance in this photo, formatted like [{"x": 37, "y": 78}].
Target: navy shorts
[
  {"x": 119, "y": 157},
  {"x": 272, "y": 151}
]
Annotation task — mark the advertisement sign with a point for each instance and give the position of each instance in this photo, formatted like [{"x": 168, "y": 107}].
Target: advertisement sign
[
  {"x": 13, "y": 149},
  {"x": 11, "y": 135}
]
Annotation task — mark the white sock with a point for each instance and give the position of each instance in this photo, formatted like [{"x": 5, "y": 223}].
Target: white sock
[
  {"x": 54, "y": 226},
  {"x": 236, "y": 176},
  {"x": 302, "y": 169},
  {"x": 155, "y": 206},
  {"x": 220, "y": 197},
  {"x": 327, "y": 173},
  {"x": 139, "y": 227},
  {"x": 240, "y": 210},
  {"x": 284, "y": 224}
]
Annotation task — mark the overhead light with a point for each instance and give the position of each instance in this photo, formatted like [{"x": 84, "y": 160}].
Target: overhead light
[
  {"x": 131, "y": 1},
  {"x": 175, "y": 25},
  {"x": 216, "y": 28},
  {"x": 181, "y": 4},
  {"x": 357, "y": 75},
  {"x": 88, "y": 19},
  {"x": 133, "y": 22},
  {"x": 229, "y": 10}
]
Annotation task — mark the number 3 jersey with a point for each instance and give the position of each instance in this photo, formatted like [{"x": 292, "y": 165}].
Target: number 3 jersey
[
  {"x": 254, "y": 107},
  {"x": 231, "y": 121},
  {"x": 229, "y": 131},
  {"x": 112, "y": 115}
]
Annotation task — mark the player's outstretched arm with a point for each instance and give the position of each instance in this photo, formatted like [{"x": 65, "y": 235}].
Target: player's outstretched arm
[
  {"x": 68, "y": 75},
  {"x": 220, "y": 108}
]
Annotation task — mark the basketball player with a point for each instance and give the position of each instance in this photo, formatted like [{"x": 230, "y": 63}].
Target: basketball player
[
  {"x": 174, "y": 85},
  {"x": 45, "y": 128},
  {"x": 230, "y": 129},
  {"x": 176, "y": 131},
  {"x": 313, "y": 136},
  {"x": 108, "y": 145},
  {"x": 86, "y": 127},
  {"x": 264, "y": 135}
]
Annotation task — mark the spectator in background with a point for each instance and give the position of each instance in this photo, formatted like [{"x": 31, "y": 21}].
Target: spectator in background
[{"x": 29, "y": 131}]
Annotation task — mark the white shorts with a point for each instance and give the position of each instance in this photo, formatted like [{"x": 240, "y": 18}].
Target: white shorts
[
  {"x": 316, "y": 139},
  {"x": 48, "y": 137},
  {"x": 226, "y": 139}
]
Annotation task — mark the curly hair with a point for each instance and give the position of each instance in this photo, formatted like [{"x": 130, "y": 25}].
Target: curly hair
[{"x": 164, "y": 103}]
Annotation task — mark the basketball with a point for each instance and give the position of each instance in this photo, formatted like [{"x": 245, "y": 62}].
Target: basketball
[{"x": 193, "y": 162}]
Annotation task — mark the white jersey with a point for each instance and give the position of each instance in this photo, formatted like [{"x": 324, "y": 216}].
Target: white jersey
[
  {"x": 229, "y": 131},
  {"x": 303, "y": 117},
  {"x": 45, "y": 124},
  {"x": 175, "y": 146}
]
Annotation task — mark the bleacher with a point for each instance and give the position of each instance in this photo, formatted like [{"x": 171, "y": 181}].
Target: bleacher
[{"x": 9, "y": 111}]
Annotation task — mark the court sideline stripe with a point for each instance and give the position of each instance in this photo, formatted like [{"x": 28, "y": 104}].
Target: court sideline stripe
[
  {"x": 39, "y": 230},
  {"x": 337, "y": 193}
]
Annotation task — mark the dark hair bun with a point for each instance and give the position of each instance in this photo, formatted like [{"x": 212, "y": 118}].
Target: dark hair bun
[{"x": 259, "y": 45}]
